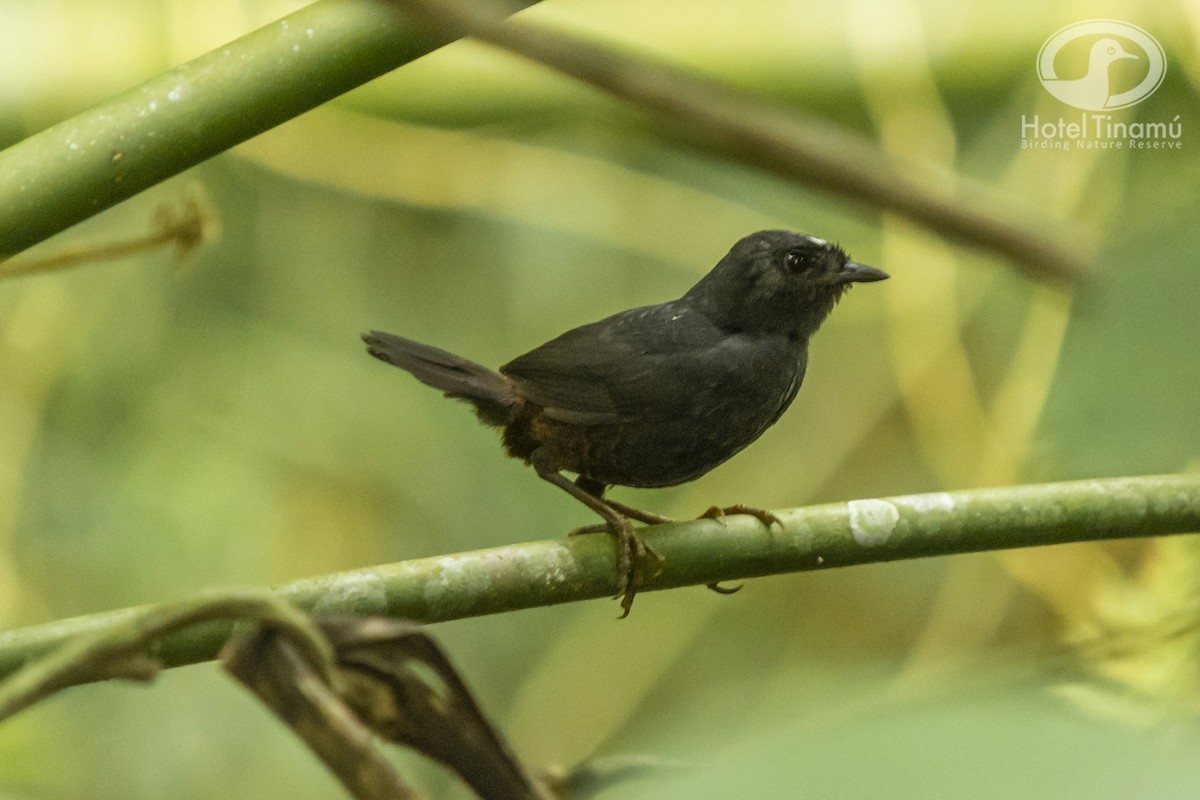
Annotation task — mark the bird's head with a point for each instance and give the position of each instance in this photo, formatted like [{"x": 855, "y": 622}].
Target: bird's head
[{"x": 778, "y": 281}]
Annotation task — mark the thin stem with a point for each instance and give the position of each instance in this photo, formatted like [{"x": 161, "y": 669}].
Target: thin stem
[
  {"x": 118, "y": 647},
  {"x": 185, "y": 226}
]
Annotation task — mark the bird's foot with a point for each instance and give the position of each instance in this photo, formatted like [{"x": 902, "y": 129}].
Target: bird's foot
[
  {"x": 632, "y": 555},
  {"x": 764, "y": 516},
  {"x": 633, "y": 552},
  {"x": 718, "y": 513}
]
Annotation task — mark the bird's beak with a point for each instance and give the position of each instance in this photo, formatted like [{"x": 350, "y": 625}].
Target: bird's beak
[{"x": 854, "y": 272}]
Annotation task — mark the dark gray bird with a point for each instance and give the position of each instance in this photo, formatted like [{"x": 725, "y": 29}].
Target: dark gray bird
[{"x": 658, "y": 395}]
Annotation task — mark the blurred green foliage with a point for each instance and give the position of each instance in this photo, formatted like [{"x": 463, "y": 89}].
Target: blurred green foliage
[{"x": 168, "y": 430}]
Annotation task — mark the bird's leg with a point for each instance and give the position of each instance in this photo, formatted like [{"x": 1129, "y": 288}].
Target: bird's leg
[
  {"x": 648, "y": 517},
  {"x": 596, "y": 489},
  {"x": 631, "y": 550}
]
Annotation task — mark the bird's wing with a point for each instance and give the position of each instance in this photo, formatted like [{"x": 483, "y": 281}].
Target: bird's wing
[{"x": 642, "y": 364}]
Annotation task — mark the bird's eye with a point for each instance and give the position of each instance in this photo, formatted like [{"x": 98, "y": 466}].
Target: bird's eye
[{"x": 796, "y": 261}]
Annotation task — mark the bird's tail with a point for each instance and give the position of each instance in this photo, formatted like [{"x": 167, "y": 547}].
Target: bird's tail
[{"x": 495, "y": 399}]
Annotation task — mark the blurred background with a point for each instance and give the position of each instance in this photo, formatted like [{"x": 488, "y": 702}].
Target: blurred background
[{"x": 171, "y": 428}]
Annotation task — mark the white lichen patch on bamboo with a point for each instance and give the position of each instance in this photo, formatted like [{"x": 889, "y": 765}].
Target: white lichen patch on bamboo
[
  {"x": 555, "y": 565},
  {"x": 353, "y": 593},
  {"x": 458, "y": 580},
  {"x": 925, "y": 503},
  {"x": 872, "y": 521}
]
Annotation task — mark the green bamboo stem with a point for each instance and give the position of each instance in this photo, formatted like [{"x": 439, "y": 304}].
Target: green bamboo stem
[
  {"x": 698, "y": 552},
  {"x": 174, "y": 121}
]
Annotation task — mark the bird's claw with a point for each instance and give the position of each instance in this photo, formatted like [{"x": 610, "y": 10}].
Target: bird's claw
[
  {"x": 632, "y": 552},
  {"x": 718, "y": 514},
  {"x": 764, "y": 516}
]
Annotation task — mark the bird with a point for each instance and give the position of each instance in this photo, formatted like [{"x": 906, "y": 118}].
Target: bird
[
  {"x": 1092, "y": 91},
  {"x": 657, "y": 395}
]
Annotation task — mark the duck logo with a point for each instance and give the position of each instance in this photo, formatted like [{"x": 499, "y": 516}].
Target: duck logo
[{"x": 1094, "y": 58}]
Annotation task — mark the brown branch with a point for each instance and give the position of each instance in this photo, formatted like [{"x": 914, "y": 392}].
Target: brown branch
[{"x": 696, "y": 111}]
